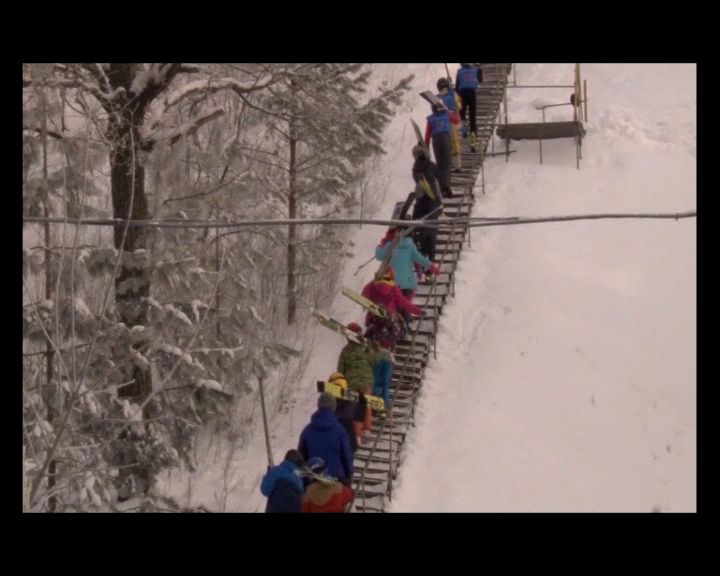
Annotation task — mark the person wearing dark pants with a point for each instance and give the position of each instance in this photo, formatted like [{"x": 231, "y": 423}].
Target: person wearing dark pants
[
  {"x": 427, "y": 201},
  {"x": 467, "y": 79},
  {"x": 438, "y": 128}
]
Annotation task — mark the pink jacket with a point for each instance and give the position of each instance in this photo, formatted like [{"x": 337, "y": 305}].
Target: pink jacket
[{"x": 389, "y": 296}]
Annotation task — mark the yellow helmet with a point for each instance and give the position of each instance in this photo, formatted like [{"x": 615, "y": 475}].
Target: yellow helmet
[{"x": 338, "y": 379}]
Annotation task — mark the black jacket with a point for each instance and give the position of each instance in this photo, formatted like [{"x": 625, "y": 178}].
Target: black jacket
[
  {"x": 423, "y": 203},
  {"x": 345, "y": 413}
]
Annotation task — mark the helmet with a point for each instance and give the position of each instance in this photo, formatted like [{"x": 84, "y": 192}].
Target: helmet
[
  {"x": 418, "y": 151},
  {"x": 443, "y": 83},
  {"x": 389, "y": 274},
  {"x": 355, "y": 327},
  {"x": 464, "y": 65},
  {"x": 338, "y": 379}
]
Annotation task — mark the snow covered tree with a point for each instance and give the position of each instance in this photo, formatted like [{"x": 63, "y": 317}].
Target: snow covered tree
[
  {"x": 137, "y": 337},
  {"x": 115, "y": 101},
  {"x": 322, "y": 128}
]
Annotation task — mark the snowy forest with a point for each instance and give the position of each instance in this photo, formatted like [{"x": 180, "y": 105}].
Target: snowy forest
[
  {"x": 136, "y": 338},
  {"x": 147, "y": 347}
]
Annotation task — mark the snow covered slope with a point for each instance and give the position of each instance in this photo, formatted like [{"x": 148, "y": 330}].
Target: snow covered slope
[{"x": 566, "y": 371}]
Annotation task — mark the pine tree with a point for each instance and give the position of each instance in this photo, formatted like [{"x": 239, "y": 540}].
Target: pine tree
[{"x": 323, "y": 128}]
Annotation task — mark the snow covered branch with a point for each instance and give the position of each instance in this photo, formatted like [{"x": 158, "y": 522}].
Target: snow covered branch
[
  {"x": 213, "y": 85},
  {"x": 186, "y": 129}
]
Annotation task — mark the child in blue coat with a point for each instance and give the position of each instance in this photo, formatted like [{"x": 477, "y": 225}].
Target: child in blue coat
[{"x": 283, "y": 488}]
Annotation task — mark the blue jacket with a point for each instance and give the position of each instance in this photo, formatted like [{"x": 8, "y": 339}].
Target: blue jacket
[
  {"x": 448, "y": 99},
  {"x": 467, "y": 78},
  {"x": 325, "y": 437},
  {"x": 439, "y": 122},
  {"x": 284, "y": 490},
  {"x": 402, "y": 260}
]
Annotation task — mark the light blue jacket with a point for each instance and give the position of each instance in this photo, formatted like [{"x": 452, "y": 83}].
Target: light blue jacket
[{"x": 402, "y": 262}]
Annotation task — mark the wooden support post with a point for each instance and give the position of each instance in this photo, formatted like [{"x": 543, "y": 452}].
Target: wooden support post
[
  {"x": 578, "y": 92},
  {"x": 580, "y": 98},
  {"x": 507, "y": 139},
  {"x": 577, "y": 154},
  {"x": 577, "y": 149}
]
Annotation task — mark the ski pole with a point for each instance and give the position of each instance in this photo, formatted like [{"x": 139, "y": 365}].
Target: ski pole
[{"x": 363, "y": 265}]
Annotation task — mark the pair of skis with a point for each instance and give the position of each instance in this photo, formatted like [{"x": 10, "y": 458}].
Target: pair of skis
[
  {"x": 375, "y": 402},
  {"x": 340, "y": 328},
  {"x": 305, "y": 472}
]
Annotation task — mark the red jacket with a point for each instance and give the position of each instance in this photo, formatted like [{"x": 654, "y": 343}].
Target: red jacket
[{"x": 321, "y": 497}]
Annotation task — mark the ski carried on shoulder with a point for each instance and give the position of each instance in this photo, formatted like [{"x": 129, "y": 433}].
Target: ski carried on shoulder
[
  {"x": 375, "y": 402},
  {"x": 433, "y": 99},
  {"x": 340, "y": 328},
  {"x": 305, "y": 472},
  {"x": 401, "y": 209},
  {"x": 369, "y": 305},
  {"x": 420, "y": 139}
]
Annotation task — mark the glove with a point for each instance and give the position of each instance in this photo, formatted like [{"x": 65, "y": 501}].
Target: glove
[{"x": 433, "y": 269}]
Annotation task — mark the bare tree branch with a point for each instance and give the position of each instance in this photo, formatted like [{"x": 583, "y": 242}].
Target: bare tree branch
[{"x": 207, "y": 192}]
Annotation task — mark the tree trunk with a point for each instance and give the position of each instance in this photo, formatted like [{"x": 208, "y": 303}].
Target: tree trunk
[
  {"x": 132, "y": 283},
  {"x": 49, "y": 354},
  {"x": 127, "y": 188},
  {"x": 292, "y": 230}
]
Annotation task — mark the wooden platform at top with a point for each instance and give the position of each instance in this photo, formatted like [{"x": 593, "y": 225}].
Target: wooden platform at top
[{"x": 541, "y": 130}]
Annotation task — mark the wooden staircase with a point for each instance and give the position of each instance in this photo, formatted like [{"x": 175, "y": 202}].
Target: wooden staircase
[{"x": 377, "y": 458}]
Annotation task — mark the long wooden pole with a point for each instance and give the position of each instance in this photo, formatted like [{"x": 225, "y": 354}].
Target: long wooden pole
[
  {"x": 575, "y": 97},
  {"x": 265, "y": 421},
  {"x": 507, "y": 134}
]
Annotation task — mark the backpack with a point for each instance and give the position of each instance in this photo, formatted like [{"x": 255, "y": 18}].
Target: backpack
[{"x": 388, "y": 329}]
